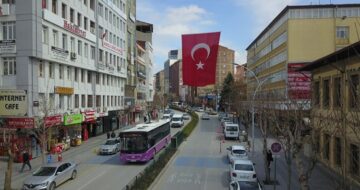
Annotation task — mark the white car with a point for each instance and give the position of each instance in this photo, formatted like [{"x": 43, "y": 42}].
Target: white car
[
  {"x": 205, "y": 116},
  {"x": 237, "y": 152},
  {"x": 246, "y": 185},
  {"x": 111, "y": 146},
  {"x": 231, "y": 130},
  {"x": 177, "y": 120},
  {"x": 242, "y": 170},
  {"x": 186, "y": 116}
]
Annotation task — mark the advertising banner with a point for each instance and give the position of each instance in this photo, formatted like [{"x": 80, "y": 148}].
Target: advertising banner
[
  {"x": 73, "y": 119},
  {"x": 19, "y": 123},
  {"x": 13, "y": 103},
  {"x": 53, "y": 120},
  {"x": 299, "y": 82}
]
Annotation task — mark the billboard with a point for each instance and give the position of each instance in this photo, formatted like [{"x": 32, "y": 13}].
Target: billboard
[
  {"x": 299, "y": 82},
  {"x": 13, "y": 103}
]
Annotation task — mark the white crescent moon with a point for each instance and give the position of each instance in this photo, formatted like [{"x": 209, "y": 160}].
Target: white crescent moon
[{"x": 199, "y": 46}]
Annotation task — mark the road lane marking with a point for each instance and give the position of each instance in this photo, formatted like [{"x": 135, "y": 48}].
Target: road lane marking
[{"x": 87, "y": 183}]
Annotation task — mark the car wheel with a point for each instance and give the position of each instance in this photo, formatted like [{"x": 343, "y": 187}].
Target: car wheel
[
  {"x": 73, "y": 175},
  {"x": 52, "y": 186}
]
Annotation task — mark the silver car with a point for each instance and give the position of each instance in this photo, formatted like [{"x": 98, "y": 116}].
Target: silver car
[
  {"x": 111, "y": 146},
  {"x": 49, "y": 176}
]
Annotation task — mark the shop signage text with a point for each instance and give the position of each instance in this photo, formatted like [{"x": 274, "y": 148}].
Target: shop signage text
[
  {"x": 13, "y": 102},
  {"x": 64, "y": 90},
  {"x": 73, "y": 119},
  {"x": 89, "y": 116},
  {"x": 7, "y": 46},
  {"x": 24, "y": 123},
  {"x": 74, "y": 29},
  {"x": 111, "y": 46},
  {"x": 53, "y": 120}
]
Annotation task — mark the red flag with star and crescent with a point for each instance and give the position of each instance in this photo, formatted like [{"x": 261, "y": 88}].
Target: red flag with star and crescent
[{"x": 199, "y": 55}]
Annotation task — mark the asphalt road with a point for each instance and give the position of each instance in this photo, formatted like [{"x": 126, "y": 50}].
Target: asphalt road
[{"x": 94, "y": 171}]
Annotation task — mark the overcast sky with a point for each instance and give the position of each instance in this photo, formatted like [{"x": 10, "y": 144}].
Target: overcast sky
[{"x": 239, "y": 21}]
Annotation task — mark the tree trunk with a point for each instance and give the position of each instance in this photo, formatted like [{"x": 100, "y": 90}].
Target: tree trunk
[
  {"x": 267, "y": 169},
  {"x": 8, "y": 173},
  {"x": 43, "y": 147},
  {"x": 303, "y": 179}
]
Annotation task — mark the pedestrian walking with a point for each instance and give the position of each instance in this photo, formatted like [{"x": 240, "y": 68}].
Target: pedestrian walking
[
  {"x": 108, "y": 135},
  {"x": 269, "y": 158},
  {"x": 26, "y": 160},
  {"x": 113, "y": 135},
  {"x": 145, "y": 119}
]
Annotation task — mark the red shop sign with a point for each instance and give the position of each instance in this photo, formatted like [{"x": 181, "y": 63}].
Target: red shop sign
[
  {"x": 89, "y": 116},
  {"x": 53, "y": 120},
  {"x": 25, "y": 123}
]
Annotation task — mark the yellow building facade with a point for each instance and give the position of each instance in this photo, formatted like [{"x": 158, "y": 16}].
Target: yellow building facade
[
  {"x": 335, "y": 112},
  {"x": 298, "y": 35}
]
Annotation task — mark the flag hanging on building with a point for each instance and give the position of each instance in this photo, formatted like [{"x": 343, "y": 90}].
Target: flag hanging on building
[{"x": 199, "y": 53}]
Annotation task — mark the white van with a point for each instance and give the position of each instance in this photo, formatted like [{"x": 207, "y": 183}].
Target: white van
[
  {"x": 177, "y": 120},
  {"x": 231, "y": 130}
]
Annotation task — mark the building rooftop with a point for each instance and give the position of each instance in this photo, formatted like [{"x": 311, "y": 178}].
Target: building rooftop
[{"x": 284, "y": 11}]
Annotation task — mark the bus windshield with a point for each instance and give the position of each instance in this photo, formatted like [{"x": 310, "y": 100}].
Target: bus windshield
[{"x": 133, "y": 143}]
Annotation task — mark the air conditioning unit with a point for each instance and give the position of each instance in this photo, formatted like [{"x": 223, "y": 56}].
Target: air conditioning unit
[
  {"x": 73, "y": 55},
  {"x": 5, "y": 9}
]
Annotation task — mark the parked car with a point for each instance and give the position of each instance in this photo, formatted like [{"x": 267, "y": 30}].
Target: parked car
[
  {"x": 205, "y": 116},
  {"x": 186, "y": 116},
  {"x": 231, "y": 130},
  {"x": 49, "y": 176},
  {"x": 166, "y": 116},
  {"x": 200, "y": 109},
  {"x": 242, "y": 170},
  {"x": 111, "y": 146},
  {"x": 245, "y": 185},
  {"x": 177, "y": 120},
  {"x": 236, "y": 152}
]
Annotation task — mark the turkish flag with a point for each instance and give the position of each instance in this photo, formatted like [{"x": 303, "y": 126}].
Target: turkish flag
[{"x": 199, "y": 55}]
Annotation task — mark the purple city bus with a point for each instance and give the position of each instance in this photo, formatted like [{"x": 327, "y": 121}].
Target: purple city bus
[{"x": 142, "y": 142}]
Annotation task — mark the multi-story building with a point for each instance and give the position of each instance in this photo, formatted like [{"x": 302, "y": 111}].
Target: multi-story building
[
  {"x": 144, "y": 64},
  {"x": 336, "y": 110},
  {"x": 67, "y": 58},
  {"x": 174, "y": 81},
  {"x": 159, "y": 82},
  {"x": 173, "y": 56},
  {"x": 239, "y": 74},
  {"x": 298, "y": 35}
]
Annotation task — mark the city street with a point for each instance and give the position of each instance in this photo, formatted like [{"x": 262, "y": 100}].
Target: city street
[{"x": 94, "y": 171}]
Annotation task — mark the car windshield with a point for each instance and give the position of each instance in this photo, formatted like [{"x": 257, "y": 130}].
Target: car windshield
[
  {"x": 176, "y": 119},
  {"x": 239, "y": 151},
  {"x": 248, "y": 185},
  {"x": 110, "y": 142},
  {"x": 244, "y": 167},
  {"x": 231, "y": 128},
  {"x": 45, "y": 171}
]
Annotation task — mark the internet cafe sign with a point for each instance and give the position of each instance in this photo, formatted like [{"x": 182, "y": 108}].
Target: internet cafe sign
[{"x": 13, "y": 103}]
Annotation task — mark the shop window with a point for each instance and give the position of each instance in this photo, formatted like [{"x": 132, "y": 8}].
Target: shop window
[
  {"x": 326, "y": 93},
  {"x": 326, "y": 143},
  {"x": 354, "y": 91},
  {"x": 354, "y": 159},
  {"x": 337, "y": 151},
  {"x": 337, "y": 98}
]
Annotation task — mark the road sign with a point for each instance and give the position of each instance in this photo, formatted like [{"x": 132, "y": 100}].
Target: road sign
[{"x": 276, "y": 147}]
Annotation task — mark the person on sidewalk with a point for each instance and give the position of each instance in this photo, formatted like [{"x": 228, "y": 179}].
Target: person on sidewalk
[
  {"x": 26, "y": 160},
  {"x": 108, "y": 135},
  {"x": 145, "y": 119},
  {"x": 113, "y": 135},
  {"x": 269, "y": 158}
]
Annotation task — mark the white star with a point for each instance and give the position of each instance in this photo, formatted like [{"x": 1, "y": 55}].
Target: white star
[{"x": 200, "y": 65}]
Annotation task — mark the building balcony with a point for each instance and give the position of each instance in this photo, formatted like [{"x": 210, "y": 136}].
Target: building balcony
[
  {"x": 340, "y": 41},
  {"x": 141, "y": 74},
  {"x": 141, "y": 87}
]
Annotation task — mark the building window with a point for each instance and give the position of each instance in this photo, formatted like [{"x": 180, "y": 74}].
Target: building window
[
  {"x": 79, "y": 47},
  {"x": 92, "y": 52},
  {"x": 76, "y": 74},
  {"x": 100, "y": 55},
  {"x": 55, "y": 38},
  {"x": 51, "y": 70},
  {"x": 90, "y": 101},
  {"x": 100, "y": 9},
  {"x": 337, "y": 98},
  {"x": 97, "y": 78},
  {"x": 103, "y": 101},
  {"x": 89, "y": 76},
  {"x": 9, "y": 65},
  {"x": 326, "y": 144},
  {"x": 337, "y": 151},
  {"x": 45, "y": 37},
  {"x": 72, "y": 12},
  {"x": 79, "y": 19},
  {"x": 85, "y": 23},
  {"x": 108, "y": 101},
  {"x": 106, "y": 14},
  {"x": 83, "y": 101},
  {"x": 64, "y": 41},
  {"x": 98, "y": 101},
  {"x": 52, "y": 100},
  {"x": 63, "y": 11},
  {"x": 354, "y": 159},
  {"x": 316, "y": 93},
  {"x": 9, "y": 30},
  {"x": 69, "y": 102},
  {"x": 54, "y": 6},
  {"x": 342, "y": 32},
  {"x": 68, "y": 72},
  {"x": 72, "y": 44},
  {"x": 61, "y": 101},
  {"x": 92, "y": 5},
  {"x": 326, "y": 93},
  {"x": 41, "y": 69},
  {"x": 103, "y": 80},
  {"x": 354, "y": 91},
  {"x": 61, "y": 72},
  {"x": 82, "y": 75},
  {"x": 76, "y": 100},
  {"x": 86, "y": 50}
]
